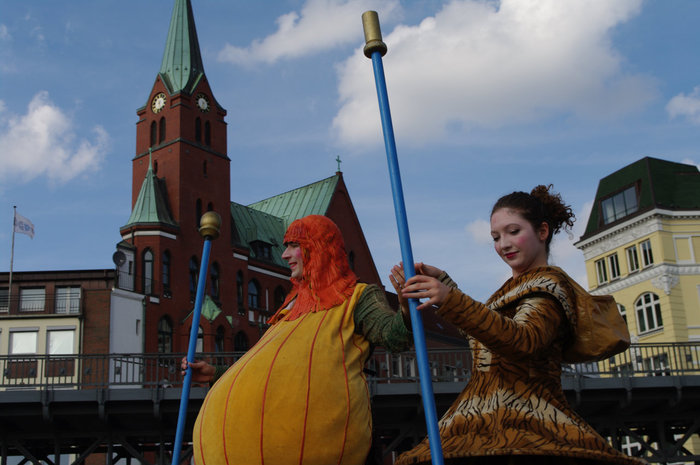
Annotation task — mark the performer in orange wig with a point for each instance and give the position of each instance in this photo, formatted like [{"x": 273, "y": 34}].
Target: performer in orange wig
[{"x": 299, "y": 396}]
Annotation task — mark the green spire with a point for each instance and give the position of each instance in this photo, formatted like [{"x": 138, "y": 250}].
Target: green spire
[
  {"x": 151, "y": 206},
  {"x": 182, "y": 66}
]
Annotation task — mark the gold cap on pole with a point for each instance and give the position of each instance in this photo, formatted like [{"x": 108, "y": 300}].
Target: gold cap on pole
[
  {"x": 373, "y": 34},
  {"x": 209, "y": 225}
]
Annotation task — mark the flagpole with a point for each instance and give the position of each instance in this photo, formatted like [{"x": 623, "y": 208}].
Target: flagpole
[{"x": 12, "y": 257}]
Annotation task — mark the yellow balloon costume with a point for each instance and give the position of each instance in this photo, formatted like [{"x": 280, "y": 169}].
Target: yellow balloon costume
[{"x": 299, "y": 396}]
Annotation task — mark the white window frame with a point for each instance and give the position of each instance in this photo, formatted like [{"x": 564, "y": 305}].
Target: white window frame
[
  {"x": 67, "y": 299},
  {"x": 647, "y": 255},
  {"x": 614, "y": 266},
  {"x": 55, "y": 331},
  {"x": 5, "y": 300},
  {"x": 15, "y": 332},
  {"x": 632, "y": 259},
  {"x": 32, "y": 299},
  {"x": 601, "y": 271},
  {"x": 648, "y": 311}
]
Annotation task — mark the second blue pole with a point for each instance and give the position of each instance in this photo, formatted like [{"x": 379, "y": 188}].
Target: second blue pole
[{"x": 375, "y": 49}]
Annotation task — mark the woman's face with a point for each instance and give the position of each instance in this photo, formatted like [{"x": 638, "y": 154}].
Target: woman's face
[
  {"x": 517, "y": 242},
  {"x": 293, "y": 255}
]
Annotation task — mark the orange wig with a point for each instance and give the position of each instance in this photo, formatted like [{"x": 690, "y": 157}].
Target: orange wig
[{"x": 327, "y": 279}]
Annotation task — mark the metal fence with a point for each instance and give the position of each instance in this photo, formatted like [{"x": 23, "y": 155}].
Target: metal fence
[{"x": 96, "y": 371}]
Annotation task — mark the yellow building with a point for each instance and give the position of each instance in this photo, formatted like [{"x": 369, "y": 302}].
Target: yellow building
[{"x": 642, "y": 245}]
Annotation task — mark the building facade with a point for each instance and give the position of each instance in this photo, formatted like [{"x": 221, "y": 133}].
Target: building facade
[{"x": 642, "y": 245}]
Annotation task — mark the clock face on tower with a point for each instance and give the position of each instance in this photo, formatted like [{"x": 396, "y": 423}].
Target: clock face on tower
[
  {"x": 158, "y": 102},
  {"x": 202, "y": 103}
]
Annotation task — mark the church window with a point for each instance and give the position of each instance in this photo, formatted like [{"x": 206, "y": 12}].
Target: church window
[
  {"x": 351, "y": 260},
  {"x": 155, "y": 167},
  {"x": 214, "y": 281},
  {"x": 239, "y": 292},
  {"x": 220, "y": 337},
  {"x": 198, "y": 213},
  {"x": 200, "y": 340},
  {"x": 194, "y": 275},
  {"x": 204, "y": 170},
  {"x": 165, "y": 275},
  {"x": 165, "y": 335},
  {"x": 162, "y": 130},
  {"x": 154, "y": 133},
  {"x": 240, "y": 342},
  {"x": 147, "y": 272},
  {"x": 207, "y": 133},
  {"x": 253, "y": 294},
  {"x": 198, "y": 130}
]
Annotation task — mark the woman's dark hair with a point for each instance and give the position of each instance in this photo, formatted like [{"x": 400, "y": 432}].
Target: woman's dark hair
[{"x": 539, "y": 206}]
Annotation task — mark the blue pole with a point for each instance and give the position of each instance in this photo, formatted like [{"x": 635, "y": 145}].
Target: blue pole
[
  {"x": 375, "y": 48},
  {"x": 210, "y": 230}
]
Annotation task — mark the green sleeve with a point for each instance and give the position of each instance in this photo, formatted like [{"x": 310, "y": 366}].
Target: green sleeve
[{"x": 379, "y": 323}]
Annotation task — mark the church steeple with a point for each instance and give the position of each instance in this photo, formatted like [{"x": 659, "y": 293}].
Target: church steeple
[
  {"x": 151, "y": 206},
  {"x": 182, "y": 67}
]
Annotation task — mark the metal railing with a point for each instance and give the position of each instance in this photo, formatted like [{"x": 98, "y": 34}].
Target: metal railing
[{"x": 96, "y": 371}]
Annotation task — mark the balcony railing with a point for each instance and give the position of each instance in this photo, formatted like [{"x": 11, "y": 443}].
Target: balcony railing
[{"x": 95, "y": 371}]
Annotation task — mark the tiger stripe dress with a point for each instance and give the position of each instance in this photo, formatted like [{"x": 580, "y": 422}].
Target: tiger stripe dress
[{"x": 513, "y": 409}]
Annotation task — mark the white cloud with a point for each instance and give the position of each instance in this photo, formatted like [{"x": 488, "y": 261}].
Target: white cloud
[
  {"x": 488, "y": 64},
  {"x": 42, "y": 143},
  {"x": 688, "y": 161},
  {"x": 4, "y": 33},
  {"x": 321, "y": 25},
  {"x": 685, "y": 105},
  {"x": 480, "y": 231}
]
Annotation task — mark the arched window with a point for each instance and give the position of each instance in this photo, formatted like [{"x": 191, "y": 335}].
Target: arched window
[
  {"x": 194, "y": 275},
  {"x": 207, "y": 133},
  {"x": 147, "y": 272},
  {"x": 214, "y": 281},
  {"x": 253, "y": 294},
  {"x": 240, "y": 342},
  {"x": 279, "y": 296},
  {"x": 198, "y": 130},
  {"x": 239, "y": 292},
  {"x": 219, "y": 341},
  {"x": 210, "y": 207},
  {"x": 155, "y": 166},
  {"x": 154, "y": 133},
  {"x": 200, "y": 340},
  {"x": 198, "y": 212},
  {"x": 162, "y": 130},
  {"x": 351, "y": 260},
  {"x": 165, "y": 335},
  {"x": 165, "y": 270},
  {"x": 204, "y": 168},
  {"x": 648, "y": 311}
]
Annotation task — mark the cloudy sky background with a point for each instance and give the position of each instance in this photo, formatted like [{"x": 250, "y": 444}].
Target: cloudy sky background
[{"x": 487, "y": 97}]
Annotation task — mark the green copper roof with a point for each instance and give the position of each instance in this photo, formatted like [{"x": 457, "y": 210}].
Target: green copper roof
[
  {"x": 313, "y": 199},
  {"x": 268, "y": 219},
  {"x": 659, "y": 183},
  {"x": 151, "y": 205},
  {"x": 182, "y": 66}
]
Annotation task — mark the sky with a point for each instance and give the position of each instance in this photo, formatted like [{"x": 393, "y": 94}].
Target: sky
[{"x": 487, "y": 98}]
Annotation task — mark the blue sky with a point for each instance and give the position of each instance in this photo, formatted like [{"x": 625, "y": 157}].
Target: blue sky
[{"x": 486, "y": 97}]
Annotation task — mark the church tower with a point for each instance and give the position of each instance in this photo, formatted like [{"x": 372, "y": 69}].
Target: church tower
[{"x": 180, "y": 171}]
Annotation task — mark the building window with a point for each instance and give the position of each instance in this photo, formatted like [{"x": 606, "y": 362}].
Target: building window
[
  {"x": 214, "y": 281},
  {"x": 351, "y": 260},
  {"x": 207, "y": 133},
  {"x": 253, "y": 294},
  {"x": 60, "y": 341},
  {"x": 279, "y": 296},
  {"x": 240, "y": 342},
  {"x": 200, "y": 340},
  {"x": 23, "y": 342},
  {"x": 623, "y": 311},
  {"x": 198, "y": 130},
  {"x": 147, "y": 272},
  {"x": 602, "y": 271},
  {"x": 204, "y": 172},
  {"x": 68, "y": 299},
  {"x": 198, "y": 213},
  {"x": 632, "y": 259},
  {"x": 165, "y": 336},
  {"x": 648, "y": 311},
  {"x": 4, "y": 299},
  {"x": 165, "y": 272},
  {"x": 220, "y": 337},
  {"x": 239, "y": 292},
  {"x": 154, "y": 133},
  {"x": 647, "y": 257},
  {"x": 619, "y": 205},
  {"x": 194, "y": 275},
  {"x": 162, "y": 130},
  {"x": 32, "y": 299},
  {"x": 614, "y": 266}
]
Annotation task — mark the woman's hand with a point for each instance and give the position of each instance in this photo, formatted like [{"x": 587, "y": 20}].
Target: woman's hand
[
  {"x": 202, "y": 372},
  {"x": 398, "y": 279},
  {"x": 425, "y": 287}
]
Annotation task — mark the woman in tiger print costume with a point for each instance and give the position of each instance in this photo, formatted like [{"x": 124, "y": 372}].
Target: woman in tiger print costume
[{"x": 513, "y": 410}]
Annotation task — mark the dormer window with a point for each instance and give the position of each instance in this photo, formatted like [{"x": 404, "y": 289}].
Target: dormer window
[
  {"x": 619, "y": 205},
  {"x": 262, "y": 250}
]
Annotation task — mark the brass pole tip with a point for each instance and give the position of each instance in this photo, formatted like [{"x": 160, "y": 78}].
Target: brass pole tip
[
  {"x": 209, "y": 225},
  {"x": 373, "y": 34}
]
